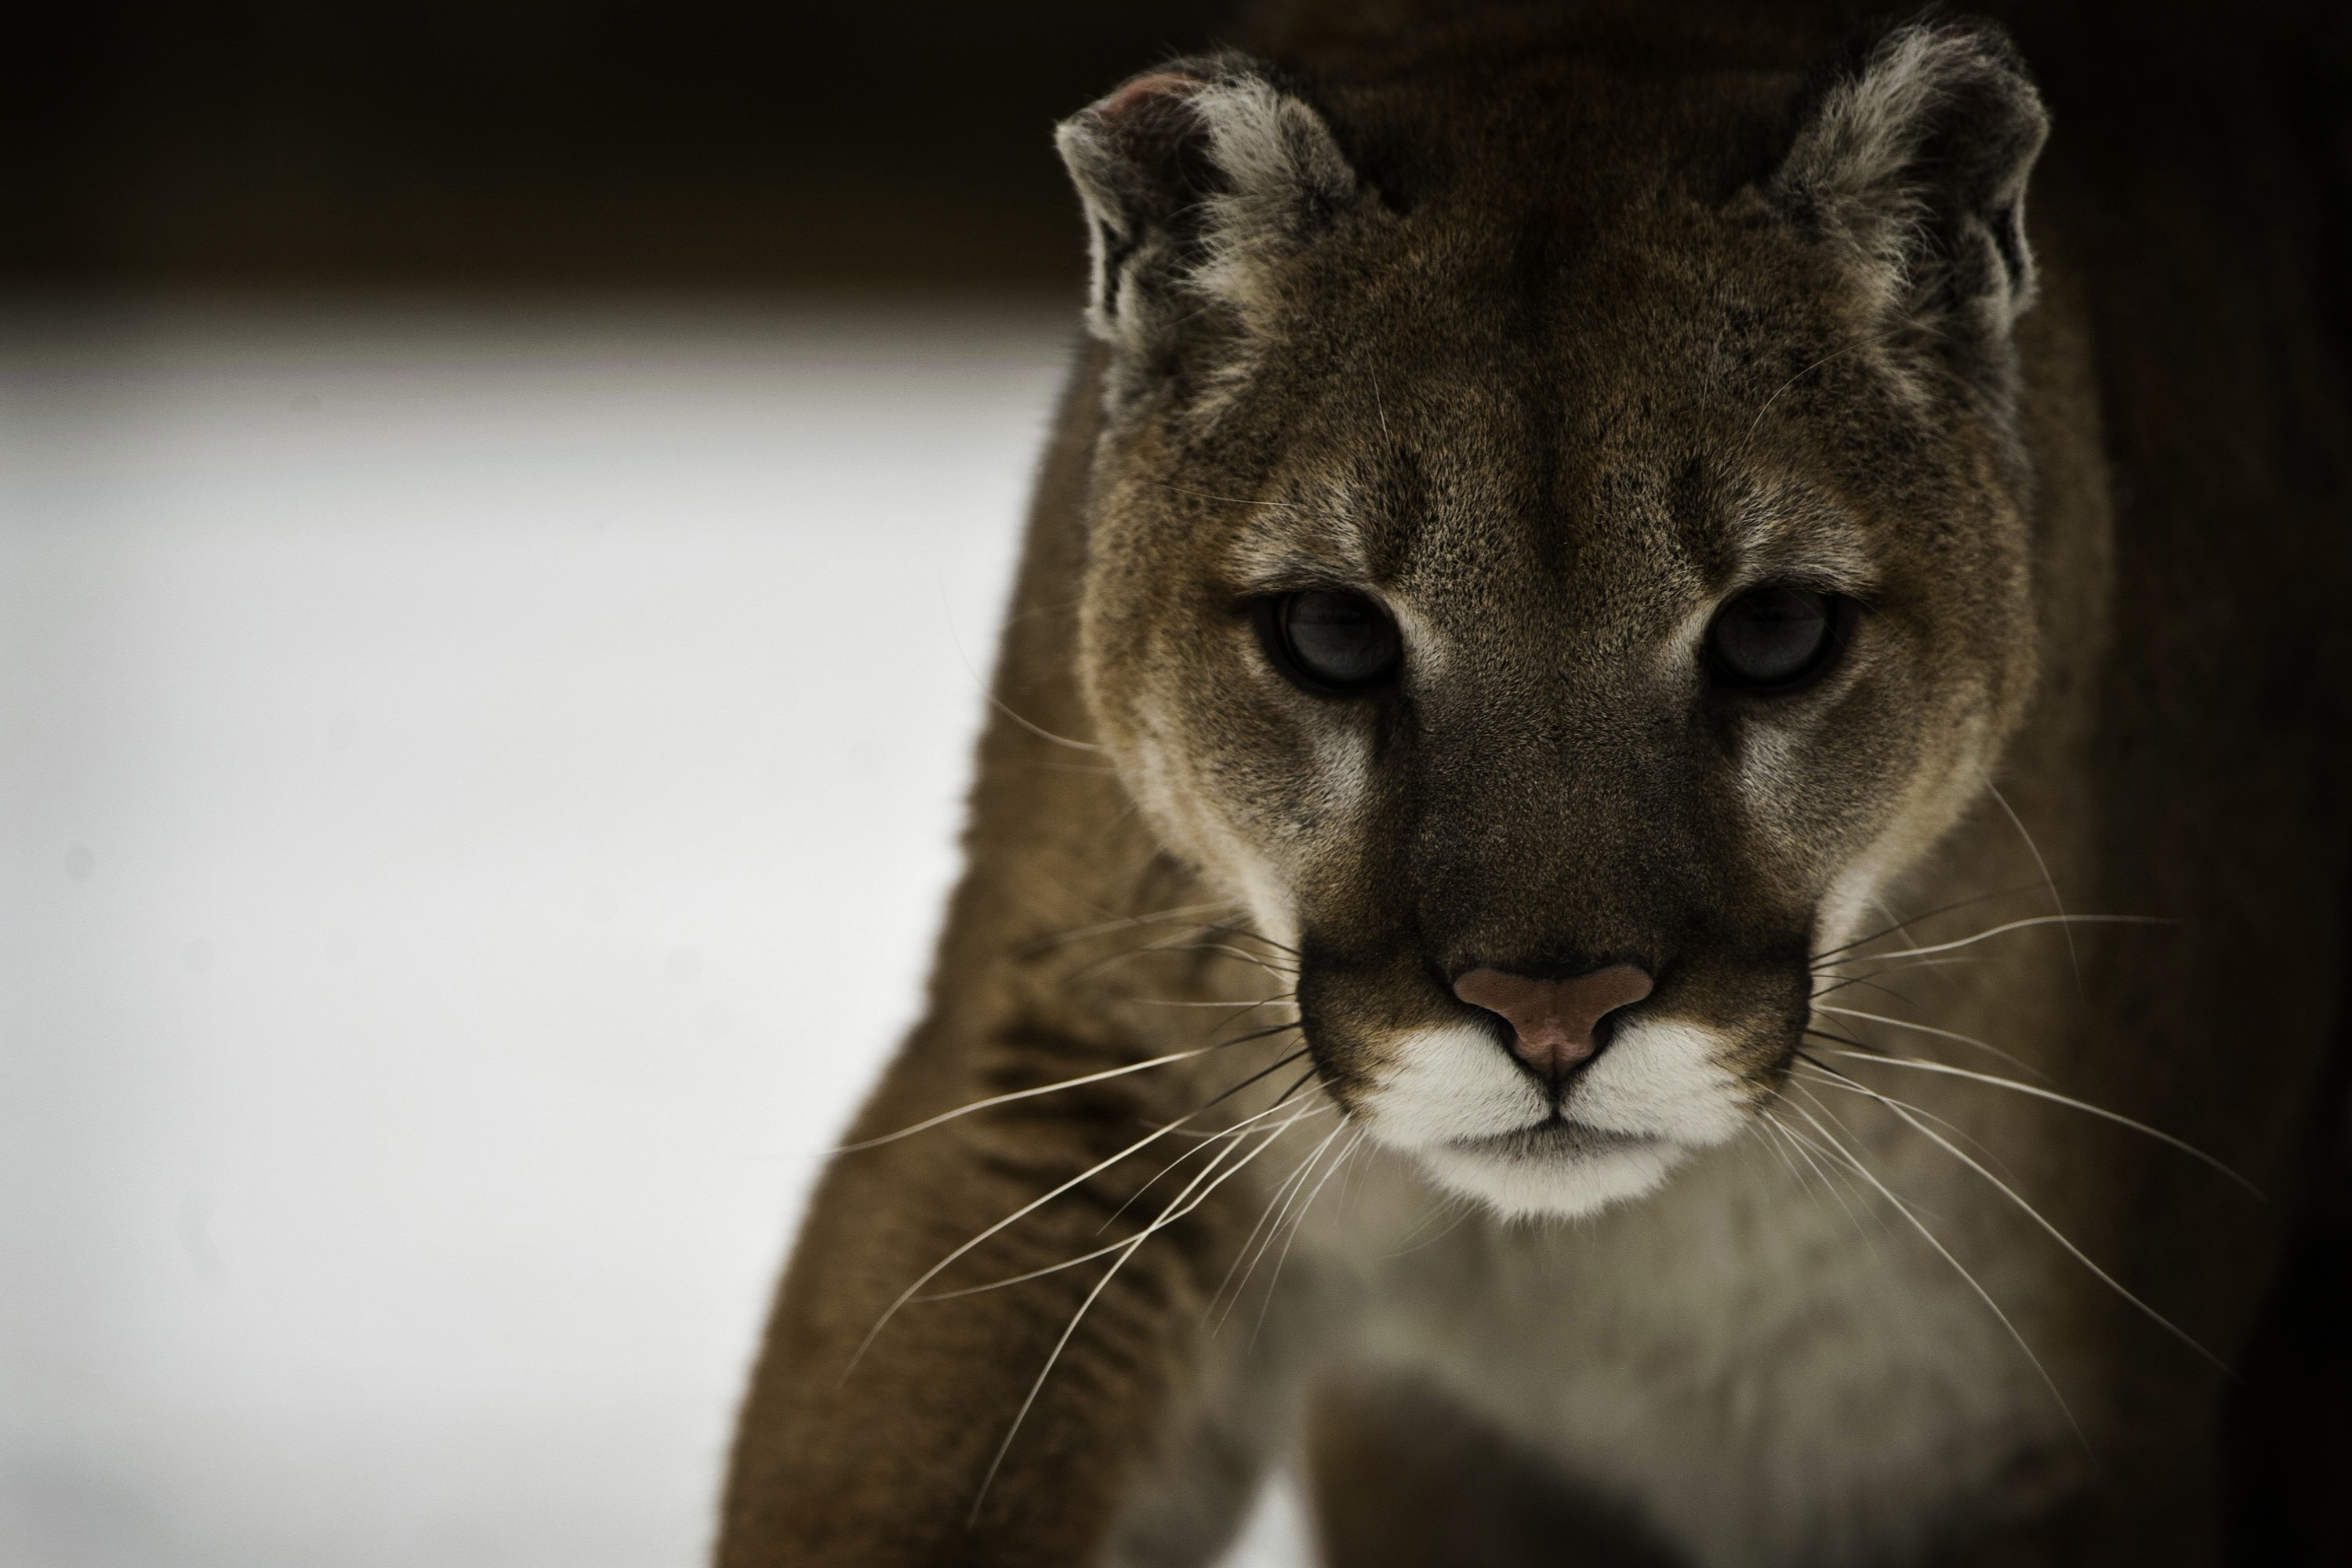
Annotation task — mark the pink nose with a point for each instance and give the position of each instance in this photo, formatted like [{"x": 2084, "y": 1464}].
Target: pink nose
[{"x": 1552, "y": 1020}]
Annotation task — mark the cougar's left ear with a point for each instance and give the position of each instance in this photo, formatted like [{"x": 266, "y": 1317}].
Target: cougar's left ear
[
  {"x": 1916, "y": 160},
  {"x": 1196, "y": 178}
]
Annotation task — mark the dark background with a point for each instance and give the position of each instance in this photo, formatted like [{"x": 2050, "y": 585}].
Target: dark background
[
  {"x": 592, "y": 142},
  {"x": 734, "y": 144}
]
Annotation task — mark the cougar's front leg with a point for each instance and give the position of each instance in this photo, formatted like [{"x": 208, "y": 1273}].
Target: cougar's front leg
[{"x": 881, "y": 1424}]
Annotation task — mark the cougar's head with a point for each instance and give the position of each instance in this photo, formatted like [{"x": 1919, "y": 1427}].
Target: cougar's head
[{"x": 1554, "y": 553}]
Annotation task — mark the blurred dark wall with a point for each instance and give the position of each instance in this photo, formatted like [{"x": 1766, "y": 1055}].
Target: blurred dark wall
[{"x": 699, "y": 142}]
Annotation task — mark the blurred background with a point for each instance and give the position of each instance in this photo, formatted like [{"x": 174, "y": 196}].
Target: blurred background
[
  {"x": 504, "y": 510},
  {"x": 504, "y": 506}
]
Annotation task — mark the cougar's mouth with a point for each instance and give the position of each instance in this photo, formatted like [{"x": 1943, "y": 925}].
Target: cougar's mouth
[
  {"x": 1557, "y": 1138},
  {"x": 1483, "y": 1127}
]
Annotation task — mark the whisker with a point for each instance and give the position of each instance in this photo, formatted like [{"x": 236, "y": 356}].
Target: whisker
[
  {"x": 1247, "y": 1035},
  {"x": 1915, "y": 919},
  {"x": 1079, "y": 1315},
  {"x": 1226, "y": 949},
  {"x": 1844, "y": 1158},
  {"x": 1039, "y": 731},
  {"x": 1277, "y": 1198},
  {"x": 1298, "y": 1083},
  {"x": 1840, "y": 1080},
  {"x": 1983, "y": 1294},
  {"x": 1460, "y": 1211},
  {"x": 1948, "y": 1125},
  {"x": 947, "y": 1116},
  {"x": 1931, "y": 1029},
  {"x": 989, "y": 692},
  {"x": 1124, "y": 922},
  {"x": 1265, "y": 1071},
  {"x": 1839, "y": 982},
  {"x": 1087, "y": 970},
  {"x": 1021, "y": 1213},
  {"x": 1274, "y": 1283},
  {"x": 1178, "y": 1207},
  {"x": 1207, "y": 1140},
  {"x": 1792, "y": 1141},
  {"x": 2084, "y": 1106},
  {"x": 1229, "y": 501},
  {"x": 2073, "y": 958},
  {"x": 2027, "y": 923}
]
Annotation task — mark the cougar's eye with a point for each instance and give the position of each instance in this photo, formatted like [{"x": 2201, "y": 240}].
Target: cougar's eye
[
  {"x": 1331, "y": 644},
  {"x": 1770, "y": 637}
]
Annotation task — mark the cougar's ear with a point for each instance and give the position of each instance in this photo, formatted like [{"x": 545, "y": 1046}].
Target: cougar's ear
[
  {"x": 1196, "y": 177},
  {"x": 1916, "y": 160}
]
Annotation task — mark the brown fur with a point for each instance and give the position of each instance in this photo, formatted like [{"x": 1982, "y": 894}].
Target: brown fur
[{"x": 1570, "y": 313}]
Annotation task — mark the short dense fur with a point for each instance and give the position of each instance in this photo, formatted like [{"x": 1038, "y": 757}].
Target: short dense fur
[{"x": 1553, "y": 328}]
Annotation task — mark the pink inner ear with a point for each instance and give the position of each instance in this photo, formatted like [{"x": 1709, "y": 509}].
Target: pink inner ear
[{"x": 1167, "y": 84}]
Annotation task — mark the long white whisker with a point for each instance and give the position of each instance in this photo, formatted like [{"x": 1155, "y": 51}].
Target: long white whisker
[
  {"x": 1758, "y": 1129},
  {"x": 1207, "y": 1141},
  {"x": 1018, "y": 1215},
  {"x": 1840, "y": 1080},
  {"x": 1178, "y": 943},
  {"x": 1983, "y": 1294},
  {"x": 1040, "y": 731},
  {"x": 1928, "y": 1029},
  {"x": 1456, "y": 1211},
  {"x": 2085, "y": 1106},
  {"x": 2073, "y": 958},
  {"x": 1274, "y": 1282},
  {"x": 1839, "y": 1123},
  {"x": 2007, "y": 926},
  {"x": 1071, "y": 1329},
  {"x": 1178, "y": 1207},
  {"x": 946, "y": 1116},
  {"x": 1945, "y": 1122},
  {"x": 1827, "y": 953},
  {"x": 1128, "y": 922},
  {"x": 1789, "y": 1141},
  {"x": 1834, "y": 1163},
  {"x": 1278, "y": 1198}
]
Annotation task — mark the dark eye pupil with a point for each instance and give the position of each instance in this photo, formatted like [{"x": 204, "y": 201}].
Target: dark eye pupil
[
  {"x": 1330, "y": 640},
  {"x": 1770, "y": 636}
]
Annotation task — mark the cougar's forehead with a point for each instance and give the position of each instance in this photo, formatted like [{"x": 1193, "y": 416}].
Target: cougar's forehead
[
  {"x": 1594, "y": 436},
  {"x": 1471, "y": 510}
]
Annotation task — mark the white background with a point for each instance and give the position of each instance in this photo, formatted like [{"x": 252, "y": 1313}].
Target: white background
[{"x": 477, "y": 786}]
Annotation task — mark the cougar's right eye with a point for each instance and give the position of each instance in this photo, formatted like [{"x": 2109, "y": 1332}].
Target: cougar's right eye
[
  {"x": 1329, "y": 643},
  {"x": 1773, "y": 638}
]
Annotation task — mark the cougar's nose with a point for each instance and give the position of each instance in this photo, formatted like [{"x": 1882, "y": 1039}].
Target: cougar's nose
[{"x": 1552, "y": 1020}]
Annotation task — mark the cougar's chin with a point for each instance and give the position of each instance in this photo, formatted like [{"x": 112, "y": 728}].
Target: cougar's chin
[
  {"x": 1557, "y": 1170},
  {"x": 1481, "y": 1127}
]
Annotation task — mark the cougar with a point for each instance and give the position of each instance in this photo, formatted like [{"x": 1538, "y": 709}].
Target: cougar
[{"x": 1656, "y": 874}]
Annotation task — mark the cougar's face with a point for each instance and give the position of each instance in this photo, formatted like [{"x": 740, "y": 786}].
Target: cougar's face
[{"x": 1558, "y": 667}]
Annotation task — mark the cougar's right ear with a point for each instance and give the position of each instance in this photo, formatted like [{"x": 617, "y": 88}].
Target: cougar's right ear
[
  {"x": 1197, "y": 178},
  {"x": 1913, "y": 162}
]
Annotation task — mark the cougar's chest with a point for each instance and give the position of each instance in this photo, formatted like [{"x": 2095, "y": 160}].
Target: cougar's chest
[{"x": 1770, "y": 1370}]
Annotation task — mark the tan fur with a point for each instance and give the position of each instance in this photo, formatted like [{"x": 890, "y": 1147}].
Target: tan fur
[{"x": 1553, "y": 328}]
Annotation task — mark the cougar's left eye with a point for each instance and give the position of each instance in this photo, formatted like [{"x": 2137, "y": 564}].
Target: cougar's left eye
[
  {"x": 1773, "y": 637},
  {"x": 1329, "y": 643}
]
